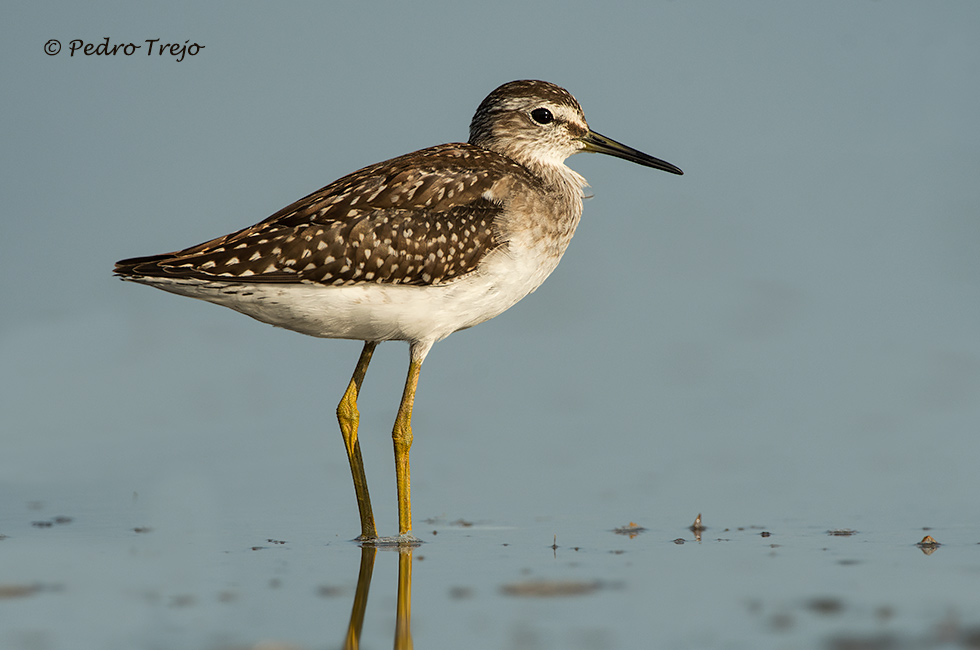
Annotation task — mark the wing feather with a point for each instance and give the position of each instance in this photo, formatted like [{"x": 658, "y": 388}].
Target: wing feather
[{"x": 423, "y": 218}]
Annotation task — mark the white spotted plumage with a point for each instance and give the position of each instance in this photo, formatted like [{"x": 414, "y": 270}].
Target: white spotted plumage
[{"x": 413, "y": 248}]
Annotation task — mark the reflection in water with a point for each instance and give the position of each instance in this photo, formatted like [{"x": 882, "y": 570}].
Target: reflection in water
[
  {"x": 403, "y": 622},
  {"x": 928, "y": 545},
  {"x": 631, "y": 530},
  {"x": 697, "y": 528},
  {"x": 360, "y": 598},
  {"x": 403, "y": 609}
]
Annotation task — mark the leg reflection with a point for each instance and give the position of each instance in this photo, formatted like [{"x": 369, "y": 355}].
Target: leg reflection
[
  {"x": 403, "y": 620},
  {"x": 353, "y": 640},
  {"x": 403, "y": 614}
]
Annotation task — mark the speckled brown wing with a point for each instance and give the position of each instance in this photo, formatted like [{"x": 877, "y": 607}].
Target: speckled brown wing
[{"x": 352, "y": 232}]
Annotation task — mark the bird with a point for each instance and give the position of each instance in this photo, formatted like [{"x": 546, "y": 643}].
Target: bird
[{"x": 411, "y": 249}]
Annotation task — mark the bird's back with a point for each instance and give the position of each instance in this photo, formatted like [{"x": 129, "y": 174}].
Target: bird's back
[{"x": 428, "y": 219}]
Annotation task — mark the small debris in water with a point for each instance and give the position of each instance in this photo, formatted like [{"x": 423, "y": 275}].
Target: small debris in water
[
  {"x": 766, "y": 533},
  {"x": 142, "y": 529},
  {"x": 841, "y": 532},
  {"x": 928, "y": 545},
  {"x": 697, "y": 526},
  {"x": 828, "y": 605},
  {"x": 679, "y": 540},
  {"x": 632, "y": 529}
]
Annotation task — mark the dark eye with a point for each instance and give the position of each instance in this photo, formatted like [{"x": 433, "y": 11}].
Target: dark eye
[{"x": 542, "y": 116}]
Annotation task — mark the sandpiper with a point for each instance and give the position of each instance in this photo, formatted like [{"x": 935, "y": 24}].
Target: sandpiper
[{"x": 410, "y": 249}]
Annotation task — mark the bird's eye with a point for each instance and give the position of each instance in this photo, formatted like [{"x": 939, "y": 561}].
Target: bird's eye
[{"x": 542, "y": 116}]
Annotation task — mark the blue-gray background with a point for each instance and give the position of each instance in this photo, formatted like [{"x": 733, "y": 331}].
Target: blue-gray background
[{"x": 791, "y": 329}]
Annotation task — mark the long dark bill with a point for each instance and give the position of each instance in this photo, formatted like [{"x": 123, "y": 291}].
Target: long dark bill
[{"x": 595, "y": 143}]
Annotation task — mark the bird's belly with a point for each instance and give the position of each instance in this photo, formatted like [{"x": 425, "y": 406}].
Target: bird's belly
[{"x": 377, "y": 311}]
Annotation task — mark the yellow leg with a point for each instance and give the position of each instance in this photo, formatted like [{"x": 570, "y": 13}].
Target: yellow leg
[
  {"x": 401, "y": 435},
  {"x": 349, "y": 417}
]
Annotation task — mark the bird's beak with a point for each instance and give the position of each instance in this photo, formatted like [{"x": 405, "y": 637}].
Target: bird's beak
[{"x": 595, "y": 143}]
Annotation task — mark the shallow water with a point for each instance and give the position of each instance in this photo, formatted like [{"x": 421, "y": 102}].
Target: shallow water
[
  {"x": 218, "y": 514},
  {"x": 91, "y": 565}
]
